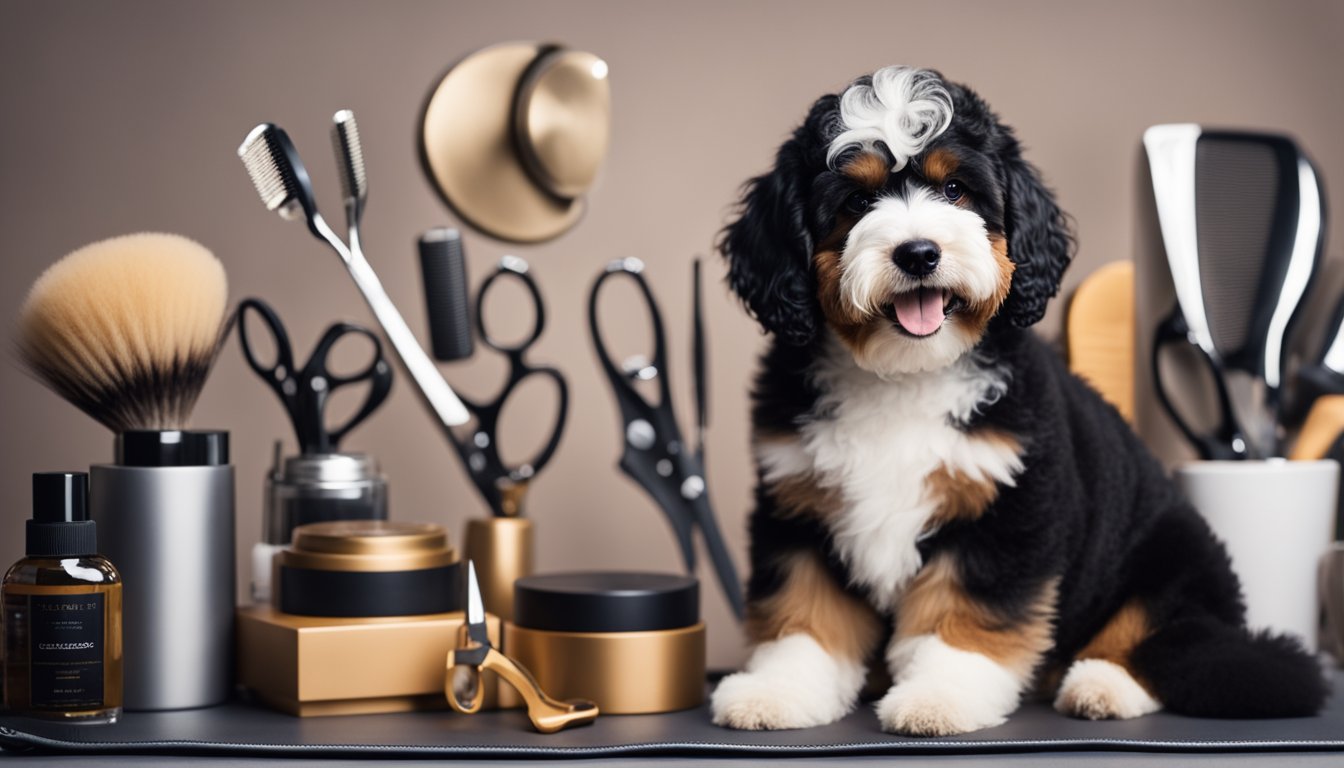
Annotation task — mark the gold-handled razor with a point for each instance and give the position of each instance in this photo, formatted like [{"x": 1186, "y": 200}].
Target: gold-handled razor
[{"x": 462, "y": 679}]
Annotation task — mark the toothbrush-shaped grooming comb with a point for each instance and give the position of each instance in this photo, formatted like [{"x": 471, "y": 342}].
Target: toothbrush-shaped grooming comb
[
  {"x": 350, "y": 162},
  {"x": 283, "y": 184}
]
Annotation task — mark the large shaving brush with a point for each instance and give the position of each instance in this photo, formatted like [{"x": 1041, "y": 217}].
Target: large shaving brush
[{"x": 127, "y": 329}]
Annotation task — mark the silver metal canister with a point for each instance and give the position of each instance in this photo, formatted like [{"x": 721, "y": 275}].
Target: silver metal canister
[{"x": 165, "y": 515}]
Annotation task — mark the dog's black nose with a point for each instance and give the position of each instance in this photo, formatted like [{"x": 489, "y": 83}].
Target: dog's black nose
[{"x": 917, "y": 258}]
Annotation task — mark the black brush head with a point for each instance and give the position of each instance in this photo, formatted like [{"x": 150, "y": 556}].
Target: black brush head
[
  {"x": 1247, "y": 207},
  {"x": 276, "y": 171}
]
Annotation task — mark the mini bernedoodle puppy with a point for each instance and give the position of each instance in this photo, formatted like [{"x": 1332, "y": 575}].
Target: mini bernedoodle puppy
[{"x": 935, "y": 489}]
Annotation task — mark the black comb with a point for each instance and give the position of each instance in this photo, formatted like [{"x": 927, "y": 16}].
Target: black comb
[{"x": 1246, "y": 208}]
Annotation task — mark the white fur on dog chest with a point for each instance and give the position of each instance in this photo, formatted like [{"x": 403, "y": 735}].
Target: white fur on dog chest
[{"x": 876, "y": 440}]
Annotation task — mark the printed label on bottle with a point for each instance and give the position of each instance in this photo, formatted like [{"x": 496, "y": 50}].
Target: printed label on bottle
[{"x": 66, "y": 651}]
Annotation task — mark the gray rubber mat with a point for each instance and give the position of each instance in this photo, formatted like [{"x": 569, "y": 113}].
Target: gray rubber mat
[{"x": 245, "y": 729}]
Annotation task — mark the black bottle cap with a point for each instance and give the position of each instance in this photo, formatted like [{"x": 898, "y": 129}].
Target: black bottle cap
[
  {"x": 60, "y": 497},
  {"x": 61, "y": 526},
  {"x": 606, "y": 602},
  {"x": 173, "y": 448}
]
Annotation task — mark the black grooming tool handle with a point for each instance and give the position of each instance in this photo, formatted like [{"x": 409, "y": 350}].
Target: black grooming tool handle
[
  {"x": 654, "y": 454},
  {"x": 444, "y": 269},
  {"x": 1227, "y": 441},
  {"x": 305, "y": 391}
]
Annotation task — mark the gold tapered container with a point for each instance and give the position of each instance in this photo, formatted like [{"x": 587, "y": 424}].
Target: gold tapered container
[{"x": 501, "y": 548}]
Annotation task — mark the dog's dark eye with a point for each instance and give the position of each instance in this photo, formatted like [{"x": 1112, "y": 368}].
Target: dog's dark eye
[
  {"x": 858, "y": 202},
  {"x": 953, "y": 190}
]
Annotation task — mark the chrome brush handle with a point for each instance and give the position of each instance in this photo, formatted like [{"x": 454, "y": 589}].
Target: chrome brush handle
[{"x": 354, "y": 191}]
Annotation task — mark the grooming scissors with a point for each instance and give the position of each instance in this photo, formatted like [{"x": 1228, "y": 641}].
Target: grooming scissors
[
  {"x": 501, "y": 485},
  {"x": 462, "y": 678},
  {"x": 654, "y": 453},
  {"x": 305, "y": 392}
]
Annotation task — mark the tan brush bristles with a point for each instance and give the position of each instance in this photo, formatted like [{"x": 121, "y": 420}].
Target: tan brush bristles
[{"x": 126, "y": 329}]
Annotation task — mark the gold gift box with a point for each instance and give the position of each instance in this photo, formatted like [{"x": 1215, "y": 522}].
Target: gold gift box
[{"x": 315, "y": 666}]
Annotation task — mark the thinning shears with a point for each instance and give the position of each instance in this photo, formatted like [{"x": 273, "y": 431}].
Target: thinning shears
[{"x": 654, "y": 454}]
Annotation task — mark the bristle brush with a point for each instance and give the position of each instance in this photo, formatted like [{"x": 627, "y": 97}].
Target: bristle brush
[
  {"x": 284, "y": 187},
  {"x": 350, "y": 163},
  {"x": 127, "y": 329},
  {"x": 280, "y": 178}
]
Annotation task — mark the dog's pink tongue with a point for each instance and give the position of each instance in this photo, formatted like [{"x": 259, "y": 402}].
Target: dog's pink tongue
[{"x": 920, "y": 311}]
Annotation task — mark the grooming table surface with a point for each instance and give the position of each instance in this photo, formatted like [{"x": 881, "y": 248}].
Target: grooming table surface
[{"x": 242, "y": 729}]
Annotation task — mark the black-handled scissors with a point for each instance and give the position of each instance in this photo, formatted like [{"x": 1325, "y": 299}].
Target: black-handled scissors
[
  {"x": 1227, "y": 439},
  {"x": 504, "y": 486},
  {"x": 654, "y": 453},
  {"x": 305, "y": 391}
]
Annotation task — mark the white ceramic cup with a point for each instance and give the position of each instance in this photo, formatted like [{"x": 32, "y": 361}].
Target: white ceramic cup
[{"x": 1277, "y": 518}]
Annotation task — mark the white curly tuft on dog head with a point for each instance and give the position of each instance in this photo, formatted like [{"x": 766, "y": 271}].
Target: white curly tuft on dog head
[{"x": 903, "y": 107}]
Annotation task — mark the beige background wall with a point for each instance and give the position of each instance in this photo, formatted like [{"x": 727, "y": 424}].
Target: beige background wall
[{"x": 118, "y": 117}]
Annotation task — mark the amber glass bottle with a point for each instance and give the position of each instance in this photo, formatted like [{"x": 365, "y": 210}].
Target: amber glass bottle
[{"x": 62, "y": 612}]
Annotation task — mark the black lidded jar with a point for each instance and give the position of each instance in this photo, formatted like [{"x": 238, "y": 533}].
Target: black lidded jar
[
  {"x": 631, "y": 642},
  {"x": 62, "y": 612}
]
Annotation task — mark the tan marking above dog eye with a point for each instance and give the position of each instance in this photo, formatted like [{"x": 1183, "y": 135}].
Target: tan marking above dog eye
[
  {"x": 939, "y": 164},
  {"x": 868, "y": 170}
]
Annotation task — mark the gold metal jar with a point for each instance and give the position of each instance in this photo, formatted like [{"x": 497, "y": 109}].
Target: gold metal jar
[
  {"x": 366, "y": 568},
  {"x": 633, "y": 643}
]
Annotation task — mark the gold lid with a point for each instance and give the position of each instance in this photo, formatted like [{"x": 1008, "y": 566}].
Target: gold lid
[
  {"x": 513, "y": 136},
  {"x": 368, "y": 545}
]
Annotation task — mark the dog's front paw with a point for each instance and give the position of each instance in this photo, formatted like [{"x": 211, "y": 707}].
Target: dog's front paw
[
  {"x": 753, "y": 701},
  {"x": 925, "y": 708},
  {"x": 791, "y": 682},
  {"x": 1101, "y": 690}
]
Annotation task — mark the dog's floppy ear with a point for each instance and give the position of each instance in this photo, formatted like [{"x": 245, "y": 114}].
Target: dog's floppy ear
[
  {"x": 1040, "y": 241},
  {"x": 769, "y": 246}
]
